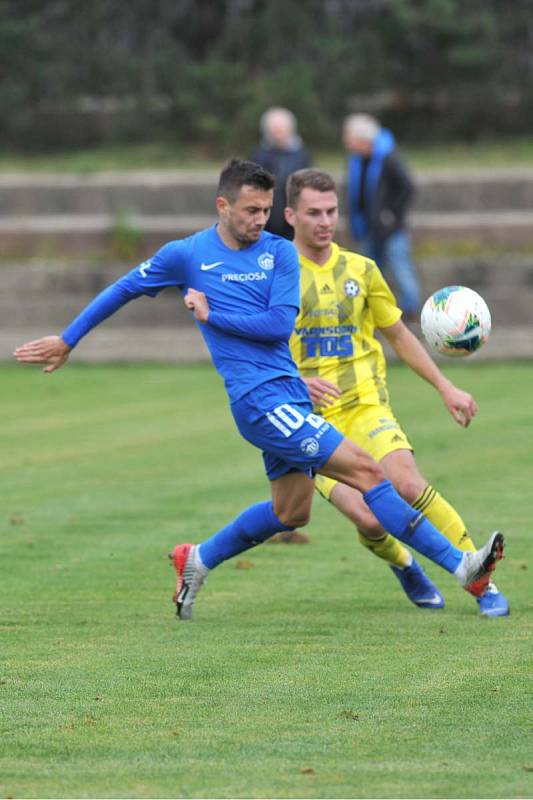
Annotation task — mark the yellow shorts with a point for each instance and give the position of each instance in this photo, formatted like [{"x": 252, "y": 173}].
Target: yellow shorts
[{"x": 373, "y": 428}]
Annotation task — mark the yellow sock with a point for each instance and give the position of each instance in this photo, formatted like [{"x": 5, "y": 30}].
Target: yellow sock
[
  {"x": 388, "y": 548},
  {"x": 444, "y": 517}
]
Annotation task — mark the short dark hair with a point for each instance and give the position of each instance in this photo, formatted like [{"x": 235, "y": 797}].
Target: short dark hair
[
  {"x": 308, "y": 179},
  {"x": 238, "y": 173}
]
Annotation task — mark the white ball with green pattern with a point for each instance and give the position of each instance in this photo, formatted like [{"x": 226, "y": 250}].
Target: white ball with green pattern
[{"x": 455, "y": 321}]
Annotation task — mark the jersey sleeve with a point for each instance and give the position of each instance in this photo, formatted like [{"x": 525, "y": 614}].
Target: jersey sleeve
[
  {"x": 285, "y": 289},
  {"x": 273, "y": 325},
  {"x": 166, "y": 268},
  {"x": 381, "y": 299}
]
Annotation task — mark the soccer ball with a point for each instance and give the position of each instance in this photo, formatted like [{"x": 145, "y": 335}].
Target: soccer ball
[{"x": 455, "y": 321}]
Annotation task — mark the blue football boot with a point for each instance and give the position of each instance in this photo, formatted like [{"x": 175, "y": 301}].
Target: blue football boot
[
  {"x": 418, "y": 587},
  {"x": 493, "y": 603}
]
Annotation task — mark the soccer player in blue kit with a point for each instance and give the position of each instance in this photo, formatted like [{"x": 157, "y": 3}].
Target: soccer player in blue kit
[{"x": 242, "y": 286}]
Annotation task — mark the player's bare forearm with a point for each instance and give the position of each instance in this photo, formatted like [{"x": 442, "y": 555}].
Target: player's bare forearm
[
  {"x": 197, "y": 303},
  {"x": 50, "y": 350},
  {"x": 413, "y": 353},
  {"x": 460, "y": 404}
]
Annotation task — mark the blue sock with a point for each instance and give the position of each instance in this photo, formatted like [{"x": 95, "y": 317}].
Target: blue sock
[
  {"x": 251, "y": 527},
  {"x": 410, "y": 526}
]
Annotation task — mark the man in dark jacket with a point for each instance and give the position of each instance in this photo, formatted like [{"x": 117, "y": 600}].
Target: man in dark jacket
[
  {"x": 380, "y": 191},
  {"x": 281, "y": 152}
]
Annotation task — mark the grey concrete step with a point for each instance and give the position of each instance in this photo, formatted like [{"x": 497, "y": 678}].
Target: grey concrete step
[
  {"x": 144, "y": 192},
  {"x": 41, "y": 297},
  {"x": 158, "y": 192},
  {"x": 138, "y": 236},
  {"x": 474, "y": 189},
  {"x": 107, "y": 344},
  {"x": 164, "y": 224},
  {"x": 179, "y": 344},
  {"x": 94, "y": 235},
  {"x": 134, "y": 213},
  {"x": 45, "y": 293}
]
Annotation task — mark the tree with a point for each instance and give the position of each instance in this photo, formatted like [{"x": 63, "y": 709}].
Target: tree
[{"x": 78, "y": 73}]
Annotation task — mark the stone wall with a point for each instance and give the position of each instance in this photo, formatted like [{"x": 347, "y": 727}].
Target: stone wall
[
  {"x": 98, "y": 215},
  {"x": 42, "y": 297},
  {"x": 59, "y": 237}
]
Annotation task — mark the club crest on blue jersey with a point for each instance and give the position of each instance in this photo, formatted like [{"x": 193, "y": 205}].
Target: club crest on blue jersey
[
  {"x": 144, "y": 266},
  {"x": 351, "y": 288},
  {"x": 266, "y": 261},
  {"x": 310, "y": 446}
]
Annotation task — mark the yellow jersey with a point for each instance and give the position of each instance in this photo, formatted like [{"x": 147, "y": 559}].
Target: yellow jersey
[{"x": 342, "y": 303}]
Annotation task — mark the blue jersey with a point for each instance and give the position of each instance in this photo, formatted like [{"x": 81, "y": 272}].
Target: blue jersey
[{"x": 240, "y": 286}]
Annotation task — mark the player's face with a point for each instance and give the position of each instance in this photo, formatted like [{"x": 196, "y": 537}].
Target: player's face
[
  {"x": 315, "y": 218},
  {"x": 244, "y": 220}
]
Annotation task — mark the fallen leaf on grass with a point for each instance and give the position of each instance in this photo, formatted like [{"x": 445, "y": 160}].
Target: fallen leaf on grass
[
  {"x": 347, "y": 713},
  {"x": 307, "y": 771},
  {"x": 244, "y": 564},
  {"x": 289, "y": 537}
]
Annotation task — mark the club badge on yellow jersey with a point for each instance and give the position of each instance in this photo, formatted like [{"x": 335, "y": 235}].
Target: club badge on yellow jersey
[{"x": 342, "y": 303}]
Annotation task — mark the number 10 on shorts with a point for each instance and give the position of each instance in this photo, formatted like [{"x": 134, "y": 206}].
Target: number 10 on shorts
[{"x": 288, "y": 419}]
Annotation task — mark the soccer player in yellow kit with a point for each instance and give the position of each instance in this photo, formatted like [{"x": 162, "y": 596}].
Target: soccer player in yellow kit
[{"x": 344, "y": 299}]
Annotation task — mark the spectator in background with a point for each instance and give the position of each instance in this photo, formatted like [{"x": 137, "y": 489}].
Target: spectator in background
[
  {"x": 380, "y": 191},
  {"x": 281, "y": 152}
]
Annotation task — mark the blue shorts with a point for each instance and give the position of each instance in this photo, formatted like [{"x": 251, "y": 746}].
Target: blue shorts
[{"x": 277, "y": 417}]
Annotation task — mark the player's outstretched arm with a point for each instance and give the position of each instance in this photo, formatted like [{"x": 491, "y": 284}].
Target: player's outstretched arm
[
  {"x": 50, "y": 350},
  {"x": 148, "y": 278},
  {"x": 460, "y": 404}
]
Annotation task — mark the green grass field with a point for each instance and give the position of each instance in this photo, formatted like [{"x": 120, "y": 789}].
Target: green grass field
[
  {"x": 506, "y": 152},
  {"x": 305, "y": 673}
]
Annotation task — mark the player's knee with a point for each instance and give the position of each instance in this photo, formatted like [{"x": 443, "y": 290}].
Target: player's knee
[
  {"x": 364, "y": 521},
  {"x": 371, "y": 472},
  {"x": 369, "y": 527},
  {"x": 409, "y": 488},
  {"x": 294, "y": 518}
]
